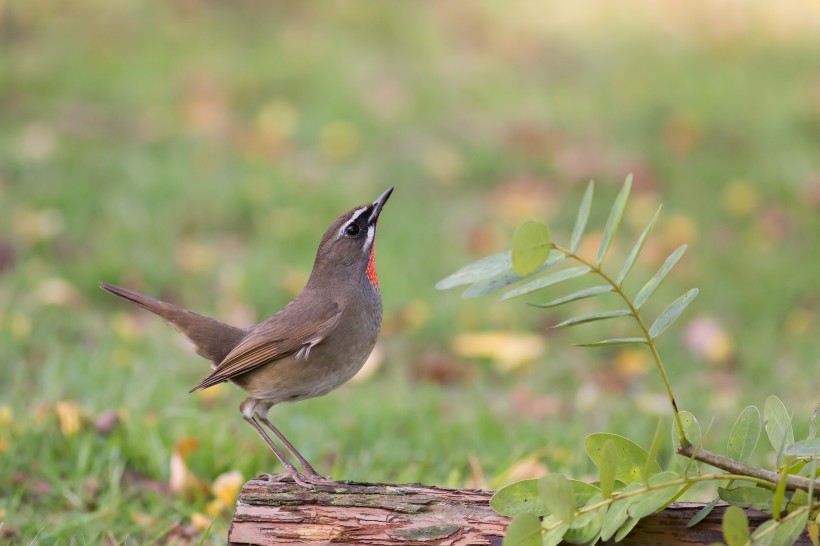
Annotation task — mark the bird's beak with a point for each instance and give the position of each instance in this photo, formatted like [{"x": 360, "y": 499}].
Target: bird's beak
[{"x": 378, "y": 204}]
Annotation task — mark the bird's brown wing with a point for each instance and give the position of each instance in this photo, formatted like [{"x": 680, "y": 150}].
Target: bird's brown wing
[{"x": 283, "y": 335}]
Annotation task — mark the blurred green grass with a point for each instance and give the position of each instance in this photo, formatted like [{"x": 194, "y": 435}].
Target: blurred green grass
[{"x": 196, "y": 151}]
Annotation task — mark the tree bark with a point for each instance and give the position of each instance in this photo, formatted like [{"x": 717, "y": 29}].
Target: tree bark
[{"x": 387, "y": 514}]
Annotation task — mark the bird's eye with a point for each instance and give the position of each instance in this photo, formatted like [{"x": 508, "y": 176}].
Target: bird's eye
[{"x": 352, "y": 230}]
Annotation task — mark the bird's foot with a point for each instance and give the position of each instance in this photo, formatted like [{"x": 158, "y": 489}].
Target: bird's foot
[{"x": 311, "y": 480}]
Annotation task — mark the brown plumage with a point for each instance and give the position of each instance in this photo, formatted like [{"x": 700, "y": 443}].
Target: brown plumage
[{"x": 311, "y": 346}]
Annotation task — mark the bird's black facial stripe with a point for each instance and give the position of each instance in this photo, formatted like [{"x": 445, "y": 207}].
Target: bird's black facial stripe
[{"x": 356, "y": 226}]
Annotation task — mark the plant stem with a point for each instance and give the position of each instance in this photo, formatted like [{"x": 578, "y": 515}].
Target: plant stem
[
  {"x": 730, "y": 465},
  {"x": 684, "y": 442},
  {"x": 672, "y": 483}
]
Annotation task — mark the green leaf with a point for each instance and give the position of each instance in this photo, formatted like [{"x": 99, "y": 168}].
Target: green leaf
[
  {"x": 583, "y": 491},
  {"x": 652, "y": 501},
  {"x": 691, "y": 428},
  {"x": 804, "y": 448},
  {"x": 556, "y": 535},
  {"x": 575, "y": 296},
  {"x": 558, "y": 496},
  {"x": 705, "y": 511},
  {"x": 581, "y": 219},
  {"x": 813, "y": 422},
  {"x": 608, "y": 468},
  {"x": 626, "y": 528},
  {"x": 745, "y": 434},
  {"x": 592, "y": 317},
  {"x": 484, "y": 268},
  {"x": 630, "y": 457},
  {"x": 789, "y": 529},
  {"x": 748, "y": 497},
  {"x": 617, "y": 515},
  {"x": 507, "y": 278},
  {"x": 778, "y": 425},
  {"x": 652, "y": 284},
  {"x": 548, "y": 280},
  {"x": 586, "y": 527},
  {"x": 518, "y": 498},
  {"x": 654, "y": 447},
  {"x": 614, "y": 341},
  {"x": 524, "y": 530},
  {"x": 614, "y": 220},
  {"x": 530, "y": 246},
  {"x": 671, "y": 313},
  {"x": 780, "y": 493},
  {"x": 735, "y": 527},
  {"x": 759, "y": 539},
  {"x": 636, "y": 250}
]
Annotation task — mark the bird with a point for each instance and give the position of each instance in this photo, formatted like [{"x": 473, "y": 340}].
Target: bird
[{"x": 310, "y": 347}]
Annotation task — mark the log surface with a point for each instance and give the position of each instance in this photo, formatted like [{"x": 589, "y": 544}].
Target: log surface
[{"x": 388, "y": 514}]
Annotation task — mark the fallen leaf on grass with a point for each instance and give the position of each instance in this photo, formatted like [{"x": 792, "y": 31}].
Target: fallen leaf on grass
[
  {"x": 182, "y": 480},
  {"x": 508, "y": 350}
]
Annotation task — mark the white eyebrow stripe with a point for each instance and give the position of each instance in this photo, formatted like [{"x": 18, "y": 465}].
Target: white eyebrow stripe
[{"x": 353, "y": 218}]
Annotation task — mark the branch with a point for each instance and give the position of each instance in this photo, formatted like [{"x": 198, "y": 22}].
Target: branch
[{"x": 730, "y": 465}]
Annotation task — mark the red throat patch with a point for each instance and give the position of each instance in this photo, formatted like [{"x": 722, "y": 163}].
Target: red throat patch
[{"x": 371, "y": 266}]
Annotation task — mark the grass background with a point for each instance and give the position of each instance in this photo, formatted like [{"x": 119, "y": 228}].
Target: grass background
[{"x": 197, "y": 150}]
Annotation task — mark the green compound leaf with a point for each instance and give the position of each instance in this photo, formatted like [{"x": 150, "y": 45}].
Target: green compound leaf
[
  {"x": 614, "y": 341},
  {"x": 509, "y": 277},
  {"x": 614, "y": 220},
  {"x": 617, "y": 515},
  {"x": 735, "y": 527},
  {"x": 789, "y": 529},
  {"x": 626, "y": 528},
  {"x": 804, "y": 448},
  {"x": 581, "y": 294},
  {"x": 608, "y": 468},
  {"x": 586, "y": 527},
  {"x": 636, "y": 250},
  {"x": 581, "y": 219},
  {"x": 530, "y": 246},
  {"x": 631, "y": 459},
  {"x": 652, "y": 501},
  {"x": 778, "y": 425},
  {"x": 705, "y": 511},
  {"x": 745, "y": 435},
  {"x": 548, "y": 280},
  {"x": 524, "y": 530},
  {"x": 654, "y": 447},
  {"x": 691, "y": 428},
  {"x": 592, "y": 317},
  {"x": 748, "y": 497},
  {"x": 653, "y": 283},
  {"x": 486, "y": 267},
  {"x": 556, "y": 535},
  {"x": 558, "y": 495},
  {"x": 671, "y": 313},
  {"x": 518, "y": 498}
]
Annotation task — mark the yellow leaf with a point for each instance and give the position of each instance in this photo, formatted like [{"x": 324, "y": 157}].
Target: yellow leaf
[
  {"x": 69, "y": 415},
  {"x": 509, "y": 350},
  {"x": 201, "y": 521},
  {"x": 226, "y": 486}
]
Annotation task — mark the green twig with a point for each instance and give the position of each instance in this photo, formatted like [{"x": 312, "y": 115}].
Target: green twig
[{"x": 684, "y": 442}]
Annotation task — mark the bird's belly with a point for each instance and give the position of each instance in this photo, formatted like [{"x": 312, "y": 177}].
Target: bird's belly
[{"x": 290, "y": 379}]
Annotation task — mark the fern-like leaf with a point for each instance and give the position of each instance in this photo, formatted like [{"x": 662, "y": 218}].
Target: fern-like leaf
[
  {"x": 593, "y": 317},
  {"x": 549, "y": 280},
  {"x": 581, "y": 220},
  {"x": 636, "y": 250},
  {"x": 575, "y": 296},
  {"x": 671, "y": 313},
  {"x": 614, "y": 220},
  {"x": 656, "y": 279}
]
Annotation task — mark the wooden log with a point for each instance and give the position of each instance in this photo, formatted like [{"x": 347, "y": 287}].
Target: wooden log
[{"x": 387, "y": 514}]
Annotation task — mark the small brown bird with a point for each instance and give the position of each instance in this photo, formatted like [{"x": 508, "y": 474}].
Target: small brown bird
[{"x": 311, "y": 346}]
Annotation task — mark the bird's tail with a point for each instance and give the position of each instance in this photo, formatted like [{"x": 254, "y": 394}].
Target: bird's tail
[{"x": 212, "y": 339}]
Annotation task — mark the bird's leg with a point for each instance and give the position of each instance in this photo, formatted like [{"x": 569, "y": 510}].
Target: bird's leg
[
  {"x": 310, "y": 472},
  {"x": 247, "y": 408}
]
